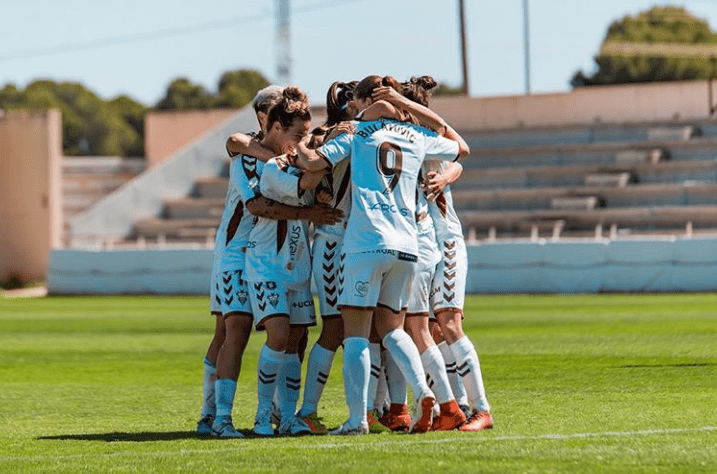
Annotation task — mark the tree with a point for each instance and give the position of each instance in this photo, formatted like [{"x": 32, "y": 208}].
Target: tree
[
  {"x": 238, "y": 88},
  {"x": 183, "y": 95},
  {"x": 659, "y": 25}
]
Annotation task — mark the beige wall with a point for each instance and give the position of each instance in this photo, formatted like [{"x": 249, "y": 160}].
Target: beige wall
[
  {"x": 167, "y": 132},
  {"x": 30, "y": 191},
  {"x": 685, "y": 100}
]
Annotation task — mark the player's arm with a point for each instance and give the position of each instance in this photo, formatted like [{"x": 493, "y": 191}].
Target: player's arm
[
  {"x": 424, "y": 115},
  {"x": 436, "y": 182},
  {"x": 310, "y": 160},
  {"x": 261, "y": 206},
  {"x": 240, "y": 143}
]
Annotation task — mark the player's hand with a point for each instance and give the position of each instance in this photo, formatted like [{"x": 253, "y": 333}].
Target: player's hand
[
  {"x": 435, "y": 183},
  {"x": 343, "y": 127},
  {"x": 389, "y": 94},
  {"x": 321, "y": 214},
  {"x": 323, "y": 197}
]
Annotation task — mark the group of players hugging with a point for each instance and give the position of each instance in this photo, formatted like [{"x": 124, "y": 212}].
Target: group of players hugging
[{"x": 387, "y": 257}]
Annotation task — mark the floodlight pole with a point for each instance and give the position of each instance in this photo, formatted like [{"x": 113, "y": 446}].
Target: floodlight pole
[
  {"x": 464, "y": 52},
  {"x": 526, "y": 39}
]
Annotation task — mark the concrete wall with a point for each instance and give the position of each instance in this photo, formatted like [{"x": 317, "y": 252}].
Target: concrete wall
[
  {"x": 30, "y": 191},
  {"x": 584, "y": 266},
  {"x": 684, "y": 100},
  {"x": 165, "y": 133}
]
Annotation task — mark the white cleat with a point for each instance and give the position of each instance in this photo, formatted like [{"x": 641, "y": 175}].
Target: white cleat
[
  {"x": 346, "y": 430},
  {"x": 262, "y": 423},
  {"x": 293, "y": 426},
  {"x": 204, "y": 426},
  {"x": 223, "y": 428}
]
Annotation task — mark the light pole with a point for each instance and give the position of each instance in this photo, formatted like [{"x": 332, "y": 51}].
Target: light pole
[
  {"x": 464, "y": 52},
  {"x": 526, "y": 38}
]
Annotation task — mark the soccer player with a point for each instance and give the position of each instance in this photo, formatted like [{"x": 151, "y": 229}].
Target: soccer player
[
  {"x": 226, "y": 288},
  {"x": 327, "y": 241},
  {"x": 380, "y": 257},
  {"x": 278, "y": 269}
]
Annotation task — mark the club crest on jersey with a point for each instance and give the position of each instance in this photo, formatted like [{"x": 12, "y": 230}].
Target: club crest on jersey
[
  {"x": 274, "y": 299},
  {"x": 361, "y": 289},
  {"x": 242, "y": 296}
]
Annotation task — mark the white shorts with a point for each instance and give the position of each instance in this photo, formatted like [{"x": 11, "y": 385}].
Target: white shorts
[
  {"x": 271, "y": 299},
  {"x": 325, "y": 254},
  {"x": 215, "y": 302},
  {"x": 231, "y": 294},
  {"x": 449, "y": 283},
  {"x": 379, "y": 277},
  {"x": 419, "y": 301}
]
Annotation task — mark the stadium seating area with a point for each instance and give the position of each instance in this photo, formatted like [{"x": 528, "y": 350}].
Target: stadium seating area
[{"x": 600, "y": 180}]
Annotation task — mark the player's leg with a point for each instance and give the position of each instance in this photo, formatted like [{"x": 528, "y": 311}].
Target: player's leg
[
  {"x": 457, "y": 387},
  {"x": 397, "y": 417},
  {"x": 209, "y": 407},
  {"x": 271, "y": 359},
  {"x": 390, "y": 314},
  {"x": 372, "y": 415}
]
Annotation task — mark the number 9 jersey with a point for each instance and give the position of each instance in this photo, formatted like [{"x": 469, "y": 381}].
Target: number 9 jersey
[{"x": 386, "y": 156}]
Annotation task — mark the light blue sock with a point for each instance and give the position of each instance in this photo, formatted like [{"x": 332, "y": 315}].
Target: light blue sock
[
  {"x": 209, "y": 406},
  {"x": 225, "y": 390},
  {"x": 318, "y": 368},
  {"x": 357, "y": 368},
  {"x": 289, "y": 384}
]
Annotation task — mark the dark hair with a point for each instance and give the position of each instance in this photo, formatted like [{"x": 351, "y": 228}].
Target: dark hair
[
  {"x": 293, "y": 104},
  {"x": 418, "y": 89},
  {"x": 337, "y": 99},
  {"x": 368, "y": 84}
]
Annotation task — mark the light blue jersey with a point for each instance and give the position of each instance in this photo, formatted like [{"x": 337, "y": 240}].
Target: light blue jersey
[{"x": 386, "y": 156}]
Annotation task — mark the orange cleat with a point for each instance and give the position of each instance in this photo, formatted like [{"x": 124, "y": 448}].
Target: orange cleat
[
  {"x": 450, "y": 417},
  {"x": 479, "y": 420},
  {"x": 423, "y": 414},
  {"x": 396, "y": 418}
]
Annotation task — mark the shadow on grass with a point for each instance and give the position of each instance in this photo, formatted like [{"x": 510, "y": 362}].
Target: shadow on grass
[
  {"x": 653, "y": 366},
  {"x": 140, "y": 437}
]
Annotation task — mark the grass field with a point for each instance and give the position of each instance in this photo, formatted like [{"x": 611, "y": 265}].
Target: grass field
[{"x": 607, "y": 383}]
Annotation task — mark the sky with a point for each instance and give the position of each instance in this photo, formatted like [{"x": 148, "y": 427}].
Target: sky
[{"x": 137, "y": 47}]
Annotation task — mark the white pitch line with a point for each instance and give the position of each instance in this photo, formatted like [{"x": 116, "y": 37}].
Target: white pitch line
[{"x": 402, "y": 440}]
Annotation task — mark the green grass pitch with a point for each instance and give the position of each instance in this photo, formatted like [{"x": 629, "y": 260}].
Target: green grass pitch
[{"x": 604, "y": 383}]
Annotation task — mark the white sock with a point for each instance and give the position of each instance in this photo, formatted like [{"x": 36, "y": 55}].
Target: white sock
[
  {"x": 289, "y": 383},
  {"x": 209, "y": 406},
  {"x": 381, "y": 398},
  {"x": 468, "y": 367},
  {"x": 318, "y": 368},
  {"x": 406, "y": 356},
  {"x": 224, "y": 390},
  {"x": 374, "y": 349},
  {"x": 435, "y": 368},
  {"x": 457, "y": 387},
  {"x": 268, "y": 373},
  {"x": 397, "y": 391},
  {"x": 357, "y": 368}
]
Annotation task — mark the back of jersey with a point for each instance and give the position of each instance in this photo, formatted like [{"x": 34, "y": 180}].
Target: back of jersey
[{"x": 386, "y": 157}]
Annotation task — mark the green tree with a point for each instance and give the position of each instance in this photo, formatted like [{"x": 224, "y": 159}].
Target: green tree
[
  {"x": 238, "y": 88},
  {"x": 183, "y": 95},
  {"x": 672, "y": 25}
]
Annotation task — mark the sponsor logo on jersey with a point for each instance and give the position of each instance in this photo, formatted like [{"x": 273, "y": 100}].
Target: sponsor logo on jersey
[
  {"x": 361, "y": 289},
  {"x": 389, "y": 209}
]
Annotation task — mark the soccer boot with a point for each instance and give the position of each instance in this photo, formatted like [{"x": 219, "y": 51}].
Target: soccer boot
[
  {"x": 293, "y": 426},
  {"x": 317, "y": 427},
  {"x": 450, "y": 417},
  {"x": 262, "y": 422},
  {"x": 396, "y": 418},
  {"x": 479, "y": 420},
  {"x": 346, "y": 430},
  {"x": 223, "y": 428},
  {"x": 204, "y": 426},
  {"x": 374, "y": 425},
  {"x": 423, "y": 414}
]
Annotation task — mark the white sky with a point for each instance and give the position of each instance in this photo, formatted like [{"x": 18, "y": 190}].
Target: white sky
[{"x": 139, "y": 46}]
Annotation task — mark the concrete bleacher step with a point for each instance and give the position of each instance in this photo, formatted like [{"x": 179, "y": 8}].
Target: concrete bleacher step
[
  {"x": 586, "y": 203},
  {"x": 545, "y": 176},
  {"x": 214, "y": 187},
  {"x": 607, "y": 179},
  {"x": 175, "y": 229},
  {"x": 665, "y": 217},
  {"x": 672, "y": 133},
  {"x": 193, "y": 208},
  {"x": 636, "y": 157}
]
